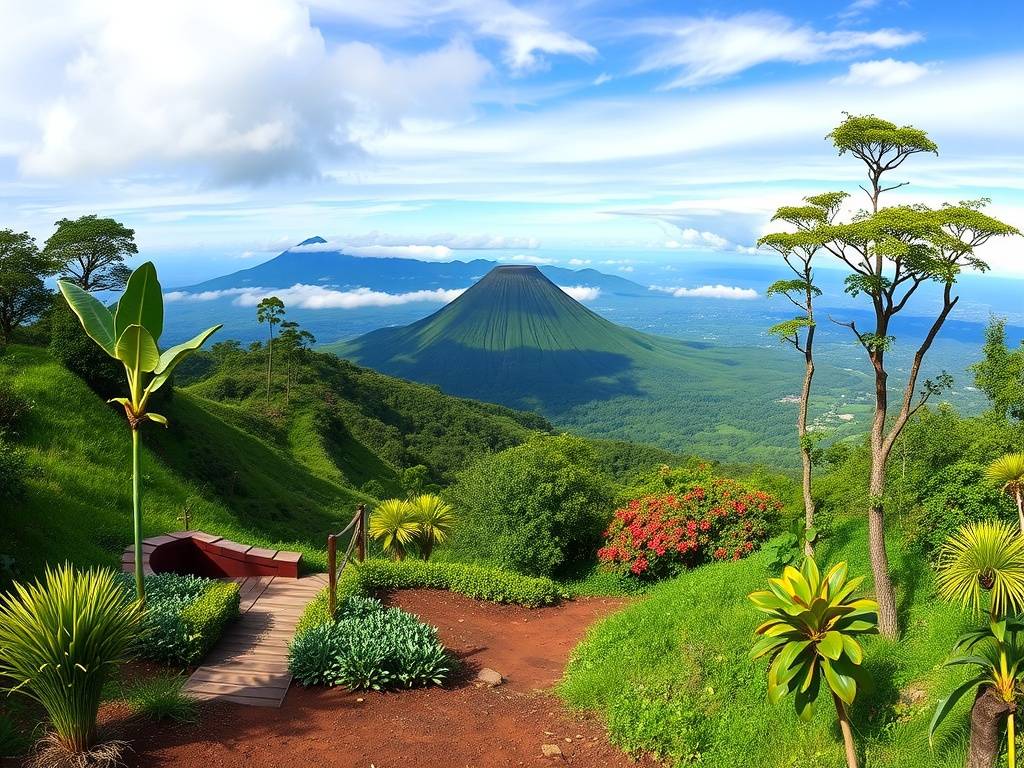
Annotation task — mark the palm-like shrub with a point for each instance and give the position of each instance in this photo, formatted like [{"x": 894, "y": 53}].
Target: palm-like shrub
[
  {"x": 395, "y": 525},
  {"x": 811, "y": 637},
  {"x": 1008, "y": 472},
  {"x": 59, "y": 641},
  {"x": 986, "y": 560},
  {"x": 436, "y": 518}
]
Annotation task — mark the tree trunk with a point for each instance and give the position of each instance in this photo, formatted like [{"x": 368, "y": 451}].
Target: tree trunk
[
  {"x": 987, "y": 716},
  {"x": 270, "y": 361},
  {"x": 1019, "y": 497},
  {"x": 844, "y": 727},
  {"x": 805, "y": 450},
  {"x": 885, "y": 594}
]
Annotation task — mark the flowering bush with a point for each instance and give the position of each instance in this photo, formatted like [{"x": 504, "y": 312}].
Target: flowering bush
[{"x": 658, "y": 536}]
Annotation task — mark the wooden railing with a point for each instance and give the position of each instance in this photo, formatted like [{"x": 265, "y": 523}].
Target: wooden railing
[{"x": 357, "y": 542}]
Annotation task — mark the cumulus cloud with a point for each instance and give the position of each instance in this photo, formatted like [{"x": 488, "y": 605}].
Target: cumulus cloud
[
  {"x": 883, "y": 72},
  {"x": 708, "y": 49},
  {"x": 626, "y": 269},
  {"x": 526, "y": 258},
  {"x": 578, "y": 262},
  {"x": 128, "y": 85},
  {"x": 320, "y": 297},
  {"x": 582, "y": 292},
  {"x": 707, "y": 292}
]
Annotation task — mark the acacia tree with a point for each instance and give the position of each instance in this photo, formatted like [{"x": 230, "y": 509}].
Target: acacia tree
[
  {"x": 293, "y": 341},
  {"x": 798, "y": 250},
  {"x": 891, "y": 253},
  {"x": 270, "y": 311},
  {"x": 23, "y": 296},
  {"x": 91, "y": 252}
]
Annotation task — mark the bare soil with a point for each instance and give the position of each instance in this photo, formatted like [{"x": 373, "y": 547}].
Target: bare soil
[{"x": 458, "y": 726}]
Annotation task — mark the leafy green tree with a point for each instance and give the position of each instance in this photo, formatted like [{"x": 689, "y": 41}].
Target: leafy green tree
[
  {"x": 294, "y": 341},
  {"x": 130, "y": 335},
  {"x": 537, "y": 508},
  {"x": 270, "y": 311},
  {"x": 984, "y": 562},
  {"x": 798, "y": 249},
  {"x": 1000, "y": 374},
  {"x": 23, "y": 296},
  {"x": 892, "y": 252},
  {"x": 91, "y": 252},
  {"x": 415, "y": 479},
  {"x": 1008, "y": 472},
  {"x": 812, "y": 637}
]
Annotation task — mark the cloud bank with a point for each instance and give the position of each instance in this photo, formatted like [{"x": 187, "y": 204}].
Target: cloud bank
[
  {"x": 319, "y": 297},
  {"x": 582, "y": 292},
  {"x": 708, "y": 292}
]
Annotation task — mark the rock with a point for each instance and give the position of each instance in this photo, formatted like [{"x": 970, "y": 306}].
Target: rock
[
  {"x": 489, "y": 677},
  {"x": 551, "y": 750}
]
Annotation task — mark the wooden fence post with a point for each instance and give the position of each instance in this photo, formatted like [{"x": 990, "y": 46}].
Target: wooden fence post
[
  {"x": 361, "y": 533},
  {"x": 332, "y": 573}
]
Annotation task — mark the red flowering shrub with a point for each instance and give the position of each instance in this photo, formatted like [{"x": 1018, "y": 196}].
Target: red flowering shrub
[{"x": 658, "y": 536}]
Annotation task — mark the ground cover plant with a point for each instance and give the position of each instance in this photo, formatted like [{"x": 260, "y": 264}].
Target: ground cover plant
[
  {"x": 368, "y": 646},
  {"x": 184, "y": 616},
  {"x": 160, "y": 698}
]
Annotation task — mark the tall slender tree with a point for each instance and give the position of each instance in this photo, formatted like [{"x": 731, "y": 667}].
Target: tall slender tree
[
  {"x": 270, "y": 311},
  {"x": 91, "y": 252},
  {"x": 798, "y": 249},
  {"x": 891, "y": 252},
  {"x": 294, "y": 341}
]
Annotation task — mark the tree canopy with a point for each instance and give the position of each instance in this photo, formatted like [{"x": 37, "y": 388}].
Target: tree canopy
[
  {"x": 23, "y": 296},
  {"x": 91, "y": 252}
]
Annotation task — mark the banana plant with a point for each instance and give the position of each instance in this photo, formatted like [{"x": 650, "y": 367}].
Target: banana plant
[
  {"x": 130, "y": 335},
  {"x": 811, "y": 637},
  {"x": 984, "y": 562}
]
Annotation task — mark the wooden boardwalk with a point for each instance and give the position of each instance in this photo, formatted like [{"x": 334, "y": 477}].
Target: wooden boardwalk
[{"x": 250, "y": 663}]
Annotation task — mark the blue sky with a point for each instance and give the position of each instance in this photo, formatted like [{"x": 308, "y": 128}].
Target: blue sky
[{"x": 224, "y": 132}]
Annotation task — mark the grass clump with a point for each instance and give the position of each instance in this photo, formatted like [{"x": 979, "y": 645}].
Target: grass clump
[
  {"x": 185, "y": 616},
  {"x": 368, "y": 646},
  {"x": 161, "y": 698}
]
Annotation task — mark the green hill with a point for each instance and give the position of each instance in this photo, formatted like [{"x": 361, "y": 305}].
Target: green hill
[{"x": 517, "y": 339}]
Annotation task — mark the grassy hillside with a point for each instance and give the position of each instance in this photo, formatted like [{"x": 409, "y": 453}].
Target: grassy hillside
[
  {"x": 515, "y": 338},
  {"x": 672, "y": 673}
]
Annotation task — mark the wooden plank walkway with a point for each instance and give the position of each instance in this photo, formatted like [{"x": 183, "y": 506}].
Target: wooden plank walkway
[{"x": 249, "y": 665}]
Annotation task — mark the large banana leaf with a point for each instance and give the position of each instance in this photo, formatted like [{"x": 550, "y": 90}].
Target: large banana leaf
[
  {"x": 142, "y": 303},
  {"x": 171, "y": 357},
  {"x": 96, "y": 319},
  {"x": 137, "y": 350}
]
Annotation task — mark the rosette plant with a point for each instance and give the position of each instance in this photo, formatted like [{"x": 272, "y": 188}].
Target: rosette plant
[
  {"x": 1008, "y": 472},
  {"x": 395, "y": 523},
  {"x": 811, "y": 638},
  {"x": 130, "y": 335},
  {"x": 436, "y": 518},
  {"x": 984, "y": 563}
]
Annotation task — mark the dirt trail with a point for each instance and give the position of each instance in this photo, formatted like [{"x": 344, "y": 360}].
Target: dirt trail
[{"x": 460, "y": 726}]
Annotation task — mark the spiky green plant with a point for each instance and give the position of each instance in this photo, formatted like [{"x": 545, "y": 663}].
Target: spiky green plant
[
  {"x": 395, "y": 524},
  {"x": 812, "y": 636},
  {"x": 986, "y": 559},
  {"x": 130, "y": 335},
  {"x": 1008, "y": 472},
  {"x": 60, "y": 639},
  {"x": 436, "y": 518}
]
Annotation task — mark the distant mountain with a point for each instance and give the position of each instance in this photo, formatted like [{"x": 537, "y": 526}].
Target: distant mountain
[
  {"x": 342, "y": 271},
  {"x": 515, "y": 338}
]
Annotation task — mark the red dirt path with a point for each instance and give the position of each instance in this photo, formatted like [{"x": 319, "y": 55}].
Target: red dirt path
[{"x": 460, "y": 726}]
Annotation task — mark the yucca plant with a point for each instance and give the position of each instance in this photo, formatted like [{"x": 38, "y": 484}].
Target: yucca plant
[
  {"x": 395, "y": 524},
  {"x": 59, "y": 641},
  {"x": 984, "y": 563},
  {"x": 130, "y": 335},
  {"x": 436, "y": 518},
  {"x": 812, "y": 637},
  {"x": 1008, "y": 472}
]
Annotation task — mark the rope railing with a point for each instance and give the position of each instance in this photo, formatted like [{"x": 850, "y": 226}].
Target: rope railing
[{"x": 357, "y": 542}]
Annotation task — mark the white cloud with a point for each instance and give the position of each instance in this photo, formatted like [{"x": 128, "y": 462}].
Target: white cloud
[
  {"x": 525, "y": 258},
  {"x": 437, "y": 247},
  {"x": 708, "y": 292},
  {"x": 883, "y": 72},
  {"x": 187, "y": 87},
  {"x": 320, "y": 297},
  {"x": 582, "y": 292},
  {"x": 578, "y": 262},
  {"x": 601, "y": 79},
  {"x": 626, "y": 269},
  {"x": 527, "y": 35},
  {"x": 693, "y": 238},
  {"x": 420, "y": 252},
  {"x": 709, "y": 49}
]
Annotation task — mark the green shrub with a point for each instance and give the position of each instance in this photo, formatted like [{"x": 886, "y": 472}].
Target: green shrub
[
  {"x": 538, "y": 508},
  {"x": 162, "y": 698},
  {"x": 185, "y": 616},
  {"x": 12, "y": 469},
  {"x": 60, "y": 639},
  {"x": 13, "y": 408},
  {"x": 368, "y": 646},
  {"x": 75, "y": 351}
]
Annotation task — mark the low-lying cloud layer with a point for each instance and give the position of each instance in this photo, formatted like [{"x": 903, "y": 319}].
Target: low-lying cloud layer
[
  {"x": 582, "y": 292},
  {"x": 708, "y": 292},
  {"x": 319, "y": 297}
]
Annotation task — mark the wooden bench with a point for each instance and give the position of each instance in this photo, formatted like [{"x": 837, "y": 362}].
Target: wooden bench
[{"x": 203, "y": 554}]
